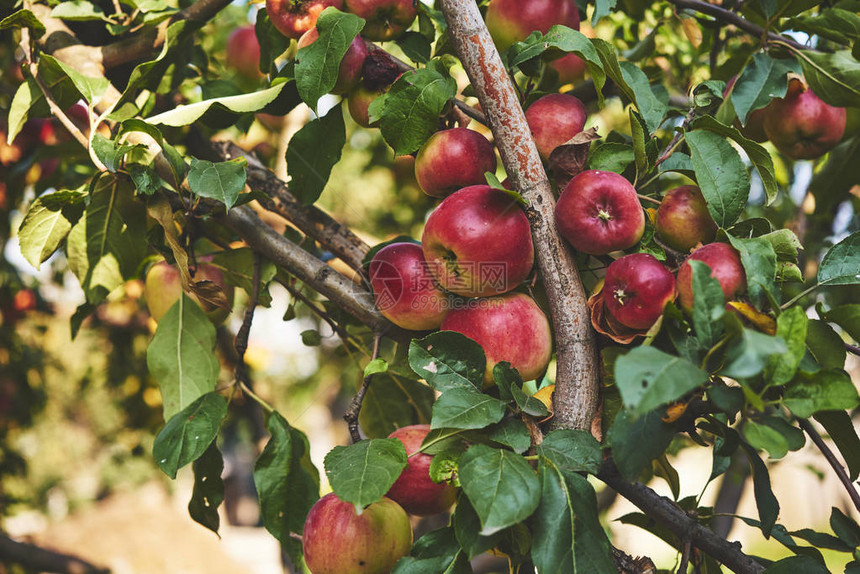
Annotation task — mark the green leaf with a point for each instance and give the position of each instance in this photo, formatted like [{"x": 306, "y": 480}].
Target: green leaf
[
  {"x": 571, "y": 451},
  {"x": 759, "y": 260},
  {"x": 835, "y": 78},
  {"x": 841, "y": 264},
  {"x": 608, "y": 156},
  {"x": 188, "y": 433},
  {"x": 465, "y": 409},
  {"x": 312, "y": 153},
  {"x": 791, "y": 325},
  {"x": 748, "y": 354},
  {"x": 110, "y": 152},
  {"x": 637, "y": 132},
  {"x": 92, "y": 89},
  {"x": 651, "y": 108},
  {"x": 842, "y": 26},
  {"x": 826, "y": 390},
  {"x": 846, "y": 316},
  {"x": 774, "y": 435},
  {"x": 721, "y": 175},
  {"x": 181, "y": 356},
  {"x": 648, "y": 378},
  {"x": 237, "y": 265},
  {"x": 762, "y": 80},
  {"x": 510, "y": 385},
  {"x": 839, "y": 426},
  {"x": 511, "y": 432},
  {"x": 467, "y": 526},
  {"x": 409, "y": 112},
  {"x": 636, "y": 441},
  {"x": 602, "y": 8},
  {"x": 708, "y": 304},
  {"x": 77, "y": 10},
  {"x": 448, "y": 360},
  {"x": 208, "y": 492},
  {"x": 222, "y": 181},
  {"x": 188, "y": 114},
  {"x": 317, "y": 65},
  {"x": 24, "y": 19},
  {"x": 568, "y": 536},
  {"x": 825, "y": 345},
  {"x": 416, "y": 47},
  {"x": 272, "y": 42},
  {"x": 609, "y": 59},
  {"x": 794, "y": 564},
  {"x": 437, "y": 552},
  {"x": 845, "y": 528},
  {"x": 392, "y": 402},
  {"x": 363, "y": 472},
  {"x": 766, "y": 502},
  {"x": 286, "y": 480},
  {"x": 501, "y": 486},
  {"x": 47, "y": 224}
]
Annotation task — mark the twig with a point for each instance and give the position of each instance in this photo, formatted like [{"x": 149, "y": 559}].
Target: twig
[
  {"x": 832, "y": 460},
  {"x": 39, "y": 559},
  {"x": 853, "y": 349},
  {"x": 685, "y": 558},
  {"x": 354, "y": 409}
]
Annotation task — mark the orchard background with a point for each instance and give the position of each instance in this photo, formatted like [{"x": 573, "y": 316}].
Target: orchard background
[{"x": 141, "y": 130}]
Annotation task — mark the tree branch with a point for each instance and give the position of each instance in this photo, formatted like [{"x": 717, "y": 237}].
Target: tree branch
[
  {"x": 576, "y": 389},
  {"x": 354, "y": 409},
  {"x": 678, "y": 522},
  {"x": 38, "y": 559},
  {"x": 832, "y": 460}
]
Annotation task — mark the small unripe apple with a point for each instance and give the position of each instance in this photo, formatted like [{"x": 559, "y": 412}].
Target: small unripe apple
[
  {"x": 358, "y": 100},
  {"x": 163, "y": 288},
  {"x": 243, "y": 52},
  {"x": 404, "y": 289},
  {"x": 553, "y": 120},
  {"x": 683, "y": 220},
  {"x": 477, "y": 242},
  {"x": 452, "y": 159},
  {"x": 511, "y": 21},
  {"x": 509, "y": 327},
  {"x": 336, "y": 540},
  {"x": 414, "y": 490},
  {"x": 636, "y": 289},
  {"x": 349, "y": 71},
  {"x": 726, "y": 267},
  {"x": 386, "y": 19},
  {"x": 295, "y": 17},
  {"x": 801, "y": 125},
  {"x": 599, "y": 212}
]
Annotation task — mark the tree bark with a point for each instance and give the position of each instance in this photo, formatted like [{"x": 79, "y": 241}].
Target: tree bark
[{"x": 39, "y": 559}]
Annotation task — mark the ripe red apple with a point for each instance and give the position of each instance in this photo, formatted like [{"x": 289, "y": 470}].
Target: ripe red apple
[
  {"x": 386, "y": 19},
  {"x": 599, "y": 212},
  {"x": 404, "y": 289},
  {"x": 295, "y": 17},
  {"x": 511, "y": 21},
  {"x": 414, "y": 490},
  {"x": 336, "y": 540},
  {"x": 570, "y": 68},
  {"x": 349, "y": 71},
  {"x": 163, "y": 288},
  {"x": 801, "y": 125},
  {"x": 683, "y": 220},
  {"x": 243, "y": 52},
  {"x": 477, "y": 242},
  {"x": 726, "y": 267},
  {"x": 636, "y": 289},
  {"x": 509, "y": 327},
  {"x": 553, "y": 120},
  {"x": 452, "y": 159}
]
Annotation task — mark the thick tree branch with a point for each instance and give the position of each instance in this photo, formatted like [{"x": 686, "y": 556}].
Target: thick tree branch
[
  {"x": 575, "y": 397},
  {"x": 37, "y": 559},
  {"x": 832, "y": 461},
  {"x": 668, "y": 514}
]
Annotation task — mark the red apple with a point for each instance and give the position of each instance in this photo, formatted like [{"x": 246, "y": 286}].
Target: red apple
[
  {"x": 683, "y": 220},
  {"x": 336, "y": 540},
  {"x": 349, "y": 71},
  {"x": 477, "y": 242},
  {"x": 243, "y": 52},
  {"x": 636, "y": 289},
  {"x": 163, "y": 288},
  {"x": 358, "y": 100},
  {"x": 452, "y": 159},
  {"x": 295, "y": 17},
  {"x": 553, "y": 120},
  {"x": 414, "y": 490},
  {"x": 403, "y": 288},
  {"x": 509, "y": 327},
  {"x": 511, "y": 21},
  {"x": 24, "y": 301},
  {"x": 599, "y": 212},
  {"x": 801, "y": 125},
  {"x": 386, "y": 19},
  {"x": 726, "y": 267},
  {"x": 570, "y": 68}
]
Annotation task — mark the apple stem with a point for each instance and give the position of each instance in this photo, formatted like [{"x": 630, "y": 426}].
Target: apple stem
[{"x": 647, "y": 198}]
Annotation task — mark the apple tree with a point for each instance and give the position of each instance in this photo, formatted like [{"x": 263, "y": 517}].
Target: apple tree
[{"x": 657, "y": 262}]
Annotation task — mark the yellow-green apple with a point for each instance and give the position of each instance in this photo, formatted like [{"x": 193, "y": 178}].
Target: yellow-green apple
[
  {"x": 337, "y": 540},
  {"x": 295, "y": 17},
  {"x": 599, "y": 212},
  {"x": 801, "y": 125},
  {"x": 554, "y": 119},
  {"x": 726, "y": 267},
  {"x": 243, "y": 52},
  {"x": 386, "y": 19},
  {"x": 683, "y": 220},
  {"x": 163, "y": 287},
  {"x": 349, "y": 71},
  {"x": 511, "y": 21},
  {"x": 414, "y": 490},
  {"x": 636, "y": 289},
  {"x": 509, "y": 327},
  {"x": 477, "y": 242},
  {"x": 452, "y": 159},
  {"x": 404, "y": 289}
]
